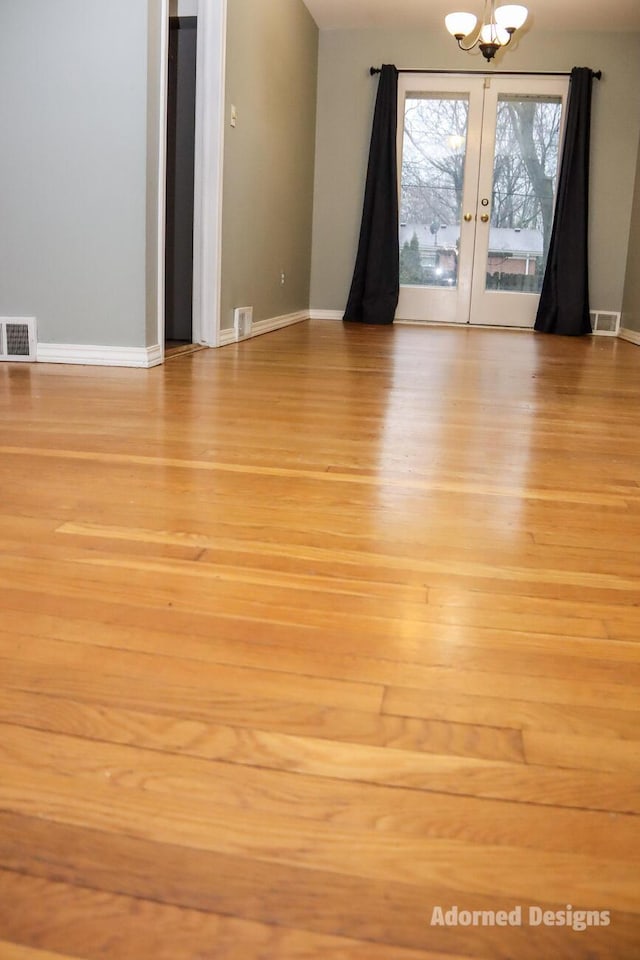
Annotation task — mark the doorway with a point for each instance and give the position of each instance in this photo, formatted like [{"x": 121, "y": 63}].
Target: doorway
[
  {"x": 479, "y": 160},
  {"x": 181, "y": 124}
]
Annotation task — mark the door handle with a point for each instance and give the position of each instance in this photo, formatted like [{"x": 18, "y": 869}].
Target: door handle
[
  {"x": 468, "y": 217},
  {"x": 485, "y": 218}
]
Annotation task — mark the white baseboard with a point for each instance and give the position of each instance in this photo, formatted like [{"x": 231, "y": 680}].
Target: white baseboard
[
  {"x": 228, "y": 335},
  {"x": 315, "y": 314},
  {"x": 633, "y": 336},
  {"x": 93, "y": 356},
  {"x": 276, "y": 323},
  {"x": 225, "y": 337}
]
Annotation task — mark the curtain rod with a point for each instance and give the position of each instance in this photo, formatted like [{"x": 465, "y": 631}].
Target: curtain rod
[{"x": 596, "y": 74}]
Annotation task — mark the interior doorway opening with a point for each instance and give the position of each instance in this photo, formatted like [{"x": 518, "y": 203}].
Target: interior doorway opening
[
  {"x": 180, "y": 182},
  {"x": 208, "y": 166}
]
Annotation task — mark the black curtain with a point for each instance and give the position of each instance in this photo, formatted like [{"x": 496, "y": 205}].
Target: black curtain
[
  {"x": 564, "y": 300},
  {"x": 375, "y": 287}
]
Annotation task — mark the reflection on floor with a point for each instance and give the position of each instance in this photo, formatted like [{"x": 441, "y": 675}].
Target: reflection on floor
[{"x": 178, "y": 348}]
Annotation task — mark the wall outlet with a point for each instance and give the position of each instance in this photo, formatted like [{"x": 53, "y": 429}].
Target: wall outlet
[
  {"x": 283, "y": 277},
  {"x": 242, "y": 322}
]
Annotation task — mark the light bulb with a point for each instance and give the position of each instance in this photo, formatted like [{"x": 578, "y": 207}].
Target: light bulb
[
  {"x": 492, "y": 33},
  {"x": 511, "y": 16},
  {"x": 460, "y": 24}
]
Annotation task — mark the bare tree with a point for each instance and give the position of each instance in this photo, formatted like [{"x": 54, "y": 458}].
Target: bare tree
[
  {"x": 536, "y": 129},
  {"x": 433, "y": 167},
  {"x": 527, "y": 134}
]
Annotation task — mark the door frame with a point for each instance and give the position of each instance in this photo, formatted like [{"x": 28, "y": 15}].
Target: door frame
[
  {"x": 209, "y": 162},
  {"x": 468, "y": 283}
]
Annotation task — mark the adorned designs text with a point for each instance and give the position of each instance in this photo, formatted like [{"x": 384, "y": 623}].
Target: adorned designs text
[{"x": 519, "y": 916}]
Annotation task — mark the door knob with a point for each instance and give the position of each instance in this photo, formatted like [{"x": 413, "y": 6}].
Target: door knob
[
  {"x": 485, "y": 218},
  {"x": 468, "y": 217}
]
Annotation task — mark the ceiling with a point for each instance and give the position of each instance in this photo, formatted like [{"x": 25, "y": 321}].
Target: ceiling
[{"x": 596, "y": 15}]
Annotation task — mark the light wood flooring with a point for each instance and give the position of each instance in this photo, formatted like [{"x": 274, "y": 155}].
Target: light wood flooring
[{"x": 305, "y": 637}]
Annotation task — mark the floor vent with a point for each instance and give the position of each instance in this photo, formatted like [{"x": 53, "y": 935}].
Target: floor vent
[
  {"x": 242, "y": 322},
  {"x": 605, "y": 323},
  {"x": 17, "y": 339}
]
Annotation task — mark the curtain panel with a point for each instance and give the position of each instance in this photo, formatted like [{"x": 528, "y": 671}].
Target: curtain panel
[
  {"x": 375, "y": 287},
  {"x": 564, "y": 299}
]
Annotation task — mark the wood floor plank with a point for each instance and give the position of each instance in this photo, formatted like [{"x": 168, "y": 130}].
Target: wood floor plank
[
  {"x": 623, "y": 628},
  {"x": 581, "y": 753},
  {"x": 203, "y": 679},
  {"x": 97, "y": 720},
  {"x": 524, "y": 715},
  {"x": 15, "y": 951},
  {"x": 472, "y": 603}
]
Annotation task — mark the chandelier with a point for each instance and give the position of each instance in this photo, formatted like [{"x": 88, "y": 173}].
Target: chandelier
[{"x": 498, "y": 26}]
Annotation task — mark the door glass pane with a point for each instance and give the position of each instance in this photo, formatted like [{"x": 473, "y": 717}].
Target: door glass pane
[
  {"x": 433, "y": 159},
  {"x": 524, "y": 185}
]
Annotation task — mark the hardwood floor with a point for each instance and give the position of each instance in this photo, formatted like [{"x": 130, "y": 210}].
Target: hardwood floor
[{"x": 306, "y": 637}]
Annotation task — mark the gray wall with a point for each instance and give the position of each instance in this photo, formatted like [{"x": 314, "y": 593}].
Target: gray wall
[
  {"x": 73, "y": 168},
  {"x": 268, "y": 157},
  {"x": 631, "y": 303},
  {"x": 346, "y": 96}
]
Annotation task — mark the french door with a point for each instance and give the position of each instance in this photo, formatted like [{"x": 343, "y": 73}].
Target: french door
[{"x": 479, "y": 160}]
